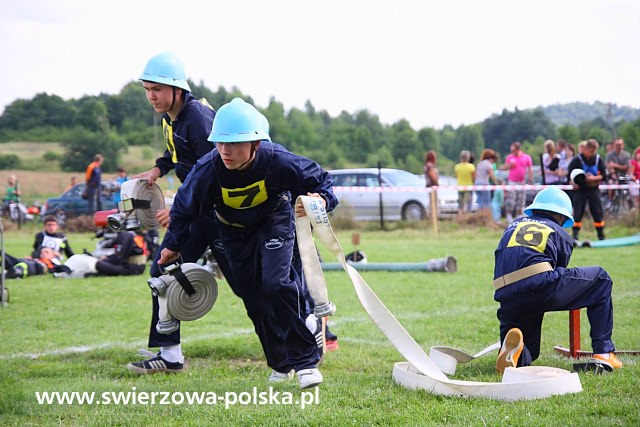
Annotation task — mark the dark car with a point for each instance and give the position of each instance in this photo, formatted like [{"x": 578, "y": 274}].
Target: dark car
[{"x": 71, "y": 204}]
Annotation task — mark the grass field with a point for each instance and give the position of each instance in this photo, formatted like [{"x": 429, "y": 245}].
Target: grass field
[{"x": 78, "y": 335}]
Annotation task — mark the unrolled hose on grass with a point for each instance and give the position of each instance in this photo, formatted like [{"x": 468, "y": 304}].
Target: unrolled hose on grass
[{"x": 448, "y": 265}]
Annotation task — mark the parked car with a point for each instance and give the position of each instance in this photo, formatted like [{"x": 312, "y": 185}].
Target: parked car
[
  {"x": 71, "y": 204},
  {"x": 404, "y": 196},
  {"x": 448, "y": 197}
]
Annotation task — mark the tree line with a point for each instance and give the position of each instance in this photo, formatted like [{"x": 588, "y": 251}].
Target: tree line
[{"x": 110, "y": 123}]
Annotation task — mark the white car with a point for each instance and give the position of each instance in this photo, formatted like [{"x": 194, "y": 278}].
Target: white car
[
  {"x": 401, "y": 194},
  {"x": 448, "y": 197}
]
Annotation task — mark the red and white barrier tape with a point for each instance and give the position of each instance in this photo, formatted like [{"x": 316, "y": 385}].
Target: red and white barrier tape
[{"x": 536, "y": 187}]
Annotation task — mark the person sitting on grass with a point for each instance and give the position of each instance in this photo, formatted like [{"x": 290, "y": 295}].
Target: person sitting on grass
[
  {"x": 531, "y": 278},
  {"x": 51, "y": 238}
]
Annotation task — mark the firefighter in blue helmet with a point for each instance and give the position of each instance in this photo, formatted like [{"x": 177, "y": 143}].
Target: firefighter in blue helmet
[
  {"x": 531, "y": 278},
  {"x": 250, "y": 181},
  {"x": 186, "y": 124}
]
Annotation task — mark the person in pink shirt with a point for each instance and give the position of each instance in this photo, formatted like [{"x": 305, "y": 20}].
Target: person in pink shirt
[
  {"x": 634, "y": 171},
  {"x": 520, "y": 167}
]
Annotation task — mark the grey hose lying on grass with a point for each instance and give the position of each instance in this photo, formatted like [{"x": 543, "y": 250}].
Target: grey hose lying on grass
[{"x": 419, "y": 371}]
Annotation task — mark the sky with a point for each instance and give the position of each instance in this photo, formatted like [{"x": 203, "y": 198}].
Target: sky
[{"x": 430, "y": 62}]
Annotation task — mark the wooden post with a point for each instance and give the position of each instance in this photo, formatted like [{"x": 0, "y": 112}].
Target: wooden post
[{"x": 434, "y": 211}]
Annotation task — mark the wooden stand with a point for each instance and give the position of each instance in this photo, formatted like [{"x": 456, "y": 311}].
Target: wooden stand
[{"x": 574, "y": 340}]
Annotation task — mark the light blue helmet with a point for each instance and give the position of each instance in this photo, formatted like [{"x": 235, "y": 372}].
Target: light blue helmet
[
  {"x": 238, "y": 121},
  {"x": 552, "y": 199},
  {"x": 167, "y": 69},
  {"x": 265, "y": 123}
]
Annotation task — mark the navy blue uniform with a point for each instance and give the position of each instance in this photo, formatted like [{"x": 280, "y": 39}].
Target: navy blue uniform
[
  {"x": 256, "y": 221},
  {"x": 535, "y": 239},
  {"x": 186, "y": 137},
  {"x": 186, "y": 140}
]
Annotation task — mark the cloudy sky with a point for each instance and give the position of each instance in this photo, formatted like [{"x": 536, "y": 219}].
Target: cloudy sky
[{"x": 430, "y": 62}]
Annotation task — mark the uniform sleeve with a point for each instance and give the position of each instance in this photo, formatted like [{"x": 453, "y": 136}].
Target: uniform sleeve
[
  {"x": 37, "y": 244},
  {"x": 314, "y": 179},
  {"x": 191, "y": 201},
  {"x": 164, "y": 163}
]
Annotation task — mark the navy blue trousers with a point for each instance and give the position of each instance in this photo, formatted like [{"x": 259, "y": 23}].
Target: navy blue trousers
[
  {"x": 260, "y": 259},
  {"x": 203, "y": 233},
  {"x": 575, "y": 288}
]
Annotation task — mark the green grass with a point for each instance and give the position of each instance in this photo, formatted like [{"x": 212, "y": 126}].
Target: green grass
[{"x": 78, "y": 335}]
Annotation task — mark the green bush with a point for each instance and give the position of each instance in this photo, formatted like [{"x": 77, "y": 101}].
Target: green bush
[{"x": 9, "y": 161}]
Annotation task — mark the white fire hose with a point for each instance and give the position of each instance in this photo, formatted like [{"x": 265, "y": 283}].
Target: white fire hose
[
  {"x": 186, "y": 292},
  {"x": 419, "y": 371},
  {"x": 138, "y": 206}
]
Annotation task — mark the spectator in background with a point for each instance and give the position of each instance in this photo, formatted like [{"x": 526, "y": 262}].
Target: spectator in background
[
  {"x": 430, "y": 170},
  {"x": 72, "y": 182},
  {"x": 51, "y": 238},
  {"x": 617, "y": 162},
  {"x": 465, "y": 174},
  {"x": 484, "y": 176},
  {"x": 119, "y": 180},
  {"x": 551, "y": 163},
  {"x": 608, "y": 147},
  {"x": 497, "y": 200},
  {"x": 520, "y": 167},
  {"x": 13, "y": 191},
  {"x": 565, "y": 151},
  {"x": 634, "y": 171},
  {"x": 93, "y": 178}
]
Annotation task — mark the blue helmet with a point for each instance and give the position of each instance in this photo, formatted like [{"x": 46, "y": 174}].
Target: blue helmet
[
  {"x": 167, "y": 69},
  {"x": 238, "y": 121},
  {"x": 552, "y": 199}
]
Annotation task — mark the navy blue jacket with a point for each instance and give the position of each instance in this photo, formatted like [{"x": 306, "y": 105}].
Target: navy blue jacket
[
  {"x": 186, "y": 137},
  {"x": 528, "y": 241},
  {"x": 248, "y": 197}
]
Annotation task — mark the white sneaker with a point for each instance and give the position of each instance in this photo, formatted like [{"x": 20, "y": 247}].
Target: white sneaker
[
  {"x": 278, "y": 377},
  {"x": 308, "y": 378}
]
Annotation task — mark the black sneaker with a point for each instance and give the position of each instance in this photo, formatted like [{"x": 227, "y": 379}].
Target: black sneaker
[{"x": 154, "y": 365}]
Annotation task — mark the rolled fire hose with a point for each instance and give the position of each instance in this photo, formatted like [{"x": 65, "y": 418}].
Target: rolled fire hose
[
  {"x": 419, "y": 371},
  {"x": 141, "y": 202},
  {"x": 187, "y": 292}
]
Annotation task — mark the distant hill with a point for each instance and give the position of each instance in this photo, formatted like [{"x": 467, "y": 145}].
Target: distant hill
[{"x": 578, "y": 112}]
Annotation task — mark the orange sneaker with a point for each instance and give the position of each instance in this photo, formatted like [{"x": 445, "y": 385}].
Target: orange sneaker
[
  {"x": 611, "y": 359},
  {"x": 332, "y": 345},
  {"x": 510, "y": 350}
]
